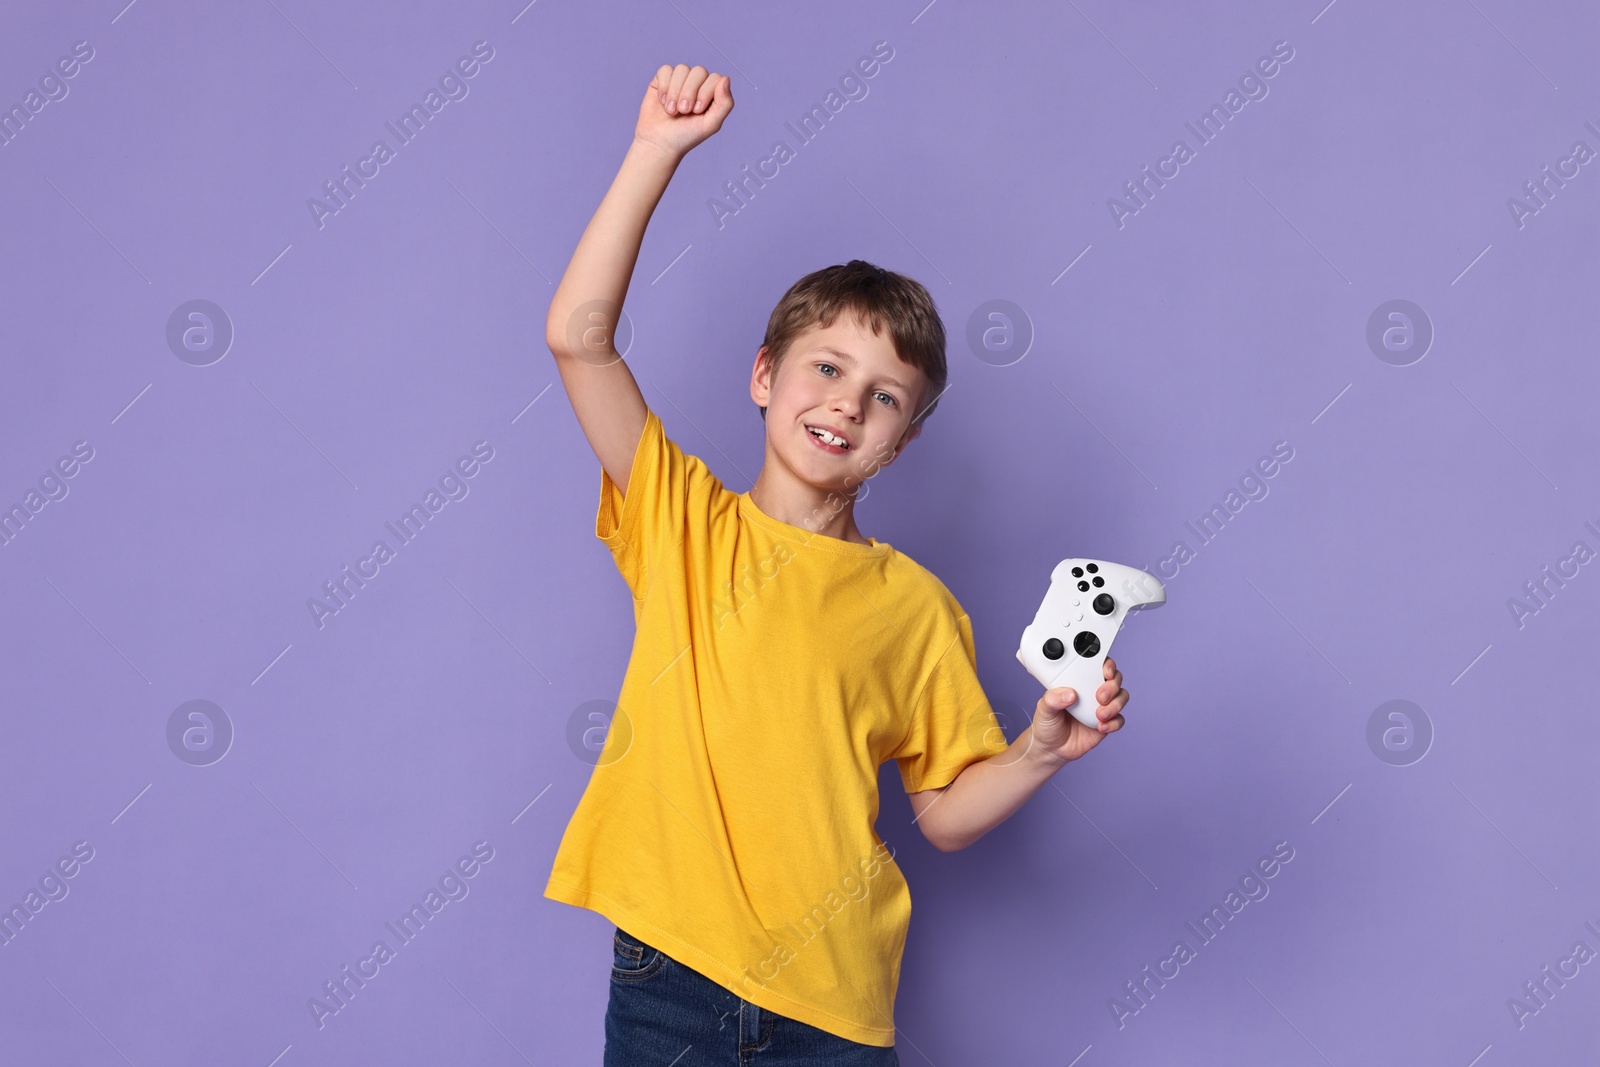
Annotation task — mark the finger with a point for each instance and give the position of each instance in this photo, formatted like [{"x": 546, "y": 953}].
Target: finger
[
  {"x": 680, "y": 74},
  {"x": 1109, "y": 667},
  {"x": 688, "y": 97},
  {"x": 1113, "y": 685},
  {"x": 661, "y": 82},
  {"x": 1113, "y": 725},
  {"x": 707, "y": 93},
  {"x": 722, "y": 101},
  {"x": 1118, "y": 701}
]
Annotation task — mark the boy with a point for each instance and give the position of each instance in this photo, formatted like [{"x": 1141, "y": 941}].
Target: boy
[{"x": 780, "y": 658}]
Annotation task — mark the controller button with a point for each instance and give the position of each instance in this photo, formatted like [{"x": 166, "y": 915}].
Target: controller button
[
  {"x": 1077, "y": 572},
  {"x": 1098, "y": 582},
  {"x": 1054, "y": 649},
  {"x": 1083, "y": 587},
  {"x": 1086, "y": 644},
  {"x": 1093, "y": 569},
  {"x": 1104, "y": 605}
]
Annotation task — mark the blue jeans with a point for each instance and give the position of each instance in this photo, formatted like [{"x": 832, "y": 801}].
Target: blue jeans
[{"x": 663, "y": 1013}]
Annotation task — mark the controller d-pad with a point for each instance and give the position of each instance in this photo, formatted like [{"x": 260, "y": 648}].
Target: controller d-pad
[
  {"x": 1086, "y": 644},
  {"x": 1054, "y": 649},
  {"x": 1104, "y": 605}
]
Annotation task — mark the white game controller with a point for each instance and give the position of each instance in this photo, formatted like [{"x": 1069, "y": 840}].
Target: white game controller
[{"x": 1067, "y": 643}]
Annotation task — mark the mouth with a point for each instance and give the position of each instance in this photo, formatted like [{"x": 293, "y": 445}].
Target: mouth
[{"x": 829, "y": 439}]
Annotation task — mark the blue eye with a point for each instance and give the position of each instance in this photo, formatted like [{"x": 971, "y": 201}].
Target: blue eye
[{"x": 892, "y": 400}]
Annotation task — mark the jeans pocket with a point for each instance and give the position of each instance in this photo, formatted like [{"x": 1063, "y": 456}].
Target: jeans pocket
[{"x": 632, "y": 960}]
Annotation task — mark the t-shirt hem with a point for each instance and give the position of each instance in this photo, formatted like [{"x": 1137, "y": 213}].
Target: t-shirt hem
[{"x": 716, "y": 970}]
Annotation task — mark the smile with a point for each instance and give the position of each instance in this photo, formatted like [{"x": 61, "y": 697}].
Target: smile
[{"x": 827, "y": 440}]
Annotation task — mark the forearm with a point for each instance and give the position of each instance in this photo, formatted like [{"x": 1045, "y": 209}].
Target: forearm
[
  {"x": 986, "y": 794},
  {"x": 603, "y": 262}
]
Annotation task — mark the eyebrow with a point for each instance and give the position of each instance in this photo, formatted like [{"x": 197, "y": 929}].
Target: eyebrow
[{"x": 847, "y": 357}]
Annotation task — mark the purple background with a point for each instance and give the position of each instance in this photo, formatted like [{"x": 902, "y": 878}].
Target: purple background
[{"x": 1228, "y": 314}]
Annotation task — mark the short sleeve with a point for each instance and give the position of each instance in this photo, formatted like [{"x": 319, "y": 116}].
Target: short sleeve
[
  {"x": 953, "y": 724},
  {"x": 666, "y": 489}
]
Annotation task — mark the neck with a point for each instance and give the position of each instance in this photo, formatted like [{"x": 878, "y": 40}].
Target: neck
[{"x": 828, "y": 513}]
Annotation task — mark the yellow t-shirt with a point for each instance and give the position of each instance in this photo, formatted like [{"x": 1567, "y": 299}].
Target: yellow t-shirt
[{"x": 730, "y": 819}]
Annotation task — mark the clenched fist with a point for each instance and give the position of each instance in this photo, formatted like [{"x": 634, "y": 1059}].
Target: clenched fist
[{"x": 683, "y": 106}]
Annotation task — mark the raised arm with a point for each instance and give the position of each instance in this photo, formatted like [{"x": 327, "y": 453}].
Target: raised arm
[{"x": 682, "y": 107}]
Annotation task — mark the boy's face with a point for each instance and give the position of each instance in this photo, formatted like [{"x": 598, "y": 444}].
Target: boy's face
[{"x": 848, "y": 380}]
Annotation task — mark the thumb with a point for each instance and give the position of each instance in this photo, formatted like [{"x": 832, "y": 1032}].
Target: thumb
[
  {"x": 721, "y": 99},
  {"x": 1059, "y": 699}
]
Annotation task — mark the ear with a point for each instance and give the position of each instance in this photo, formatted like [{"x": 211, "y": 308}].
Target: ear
[{"x": 761, "y": 378}]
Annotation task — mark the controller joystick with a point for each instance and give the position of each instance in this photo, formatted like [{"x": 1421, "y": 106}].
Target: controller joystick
[{"x": 1069, "y": 639}]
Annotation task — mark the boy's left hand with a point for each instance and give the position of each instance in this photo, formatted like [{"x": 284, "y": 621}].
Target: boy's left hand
[{"x": 1059, "y": 736}]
